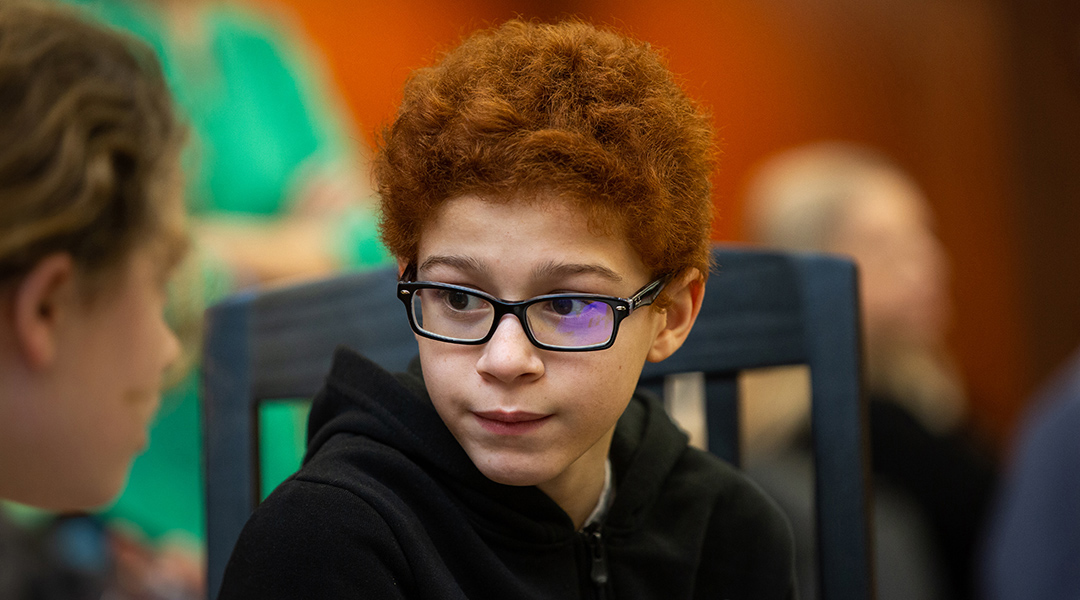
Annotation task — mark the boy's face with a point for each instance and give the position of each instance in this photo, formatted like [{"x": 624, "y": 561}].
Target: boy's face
[{"x": 527, "y": 416}]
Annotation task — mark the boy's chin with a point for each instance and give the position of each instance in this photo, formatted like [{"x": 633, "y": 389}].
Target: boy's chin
[{"x": 519, "y": 471}]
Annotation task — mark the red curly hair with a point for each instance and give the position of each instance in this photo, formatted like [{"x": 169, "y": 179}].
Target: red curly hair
[{"x": 525, "y": 109}]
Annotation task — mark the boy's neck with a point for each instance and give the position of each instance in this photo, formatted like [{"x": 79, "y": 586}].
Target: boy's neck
[{"x": 577, "y": 489}]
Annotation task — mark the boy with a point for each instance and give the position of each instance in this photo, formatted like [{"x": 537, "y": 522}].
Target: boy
[{"x": 545, "y": 190}]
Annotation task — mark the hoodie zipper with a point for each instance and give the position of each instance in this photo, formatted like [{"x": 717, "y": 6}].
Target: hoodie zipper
[{"x": 598, "y": 569}]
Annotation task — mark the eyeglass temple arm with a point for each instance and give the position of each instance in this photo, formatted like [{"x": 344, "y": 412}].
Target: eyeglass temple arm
[{"x": 648, "y": 295}]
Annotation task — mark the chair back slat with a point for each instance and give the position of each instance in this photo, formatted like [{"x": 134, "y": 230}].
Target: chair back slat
[
  {"x": 230, "y": 440},
  {"x": 839, "y": 430},
  {"x": 722, "y": 416}
]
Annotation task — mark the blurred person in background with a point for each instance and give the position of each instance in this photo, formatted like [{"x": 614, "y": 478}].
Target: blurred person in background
[
  {"x": 91, "y": 228},
  {"x": 277, "y": 191},
  {"x": 933, "y": 479},
  {"x": 277, "y": 186}
]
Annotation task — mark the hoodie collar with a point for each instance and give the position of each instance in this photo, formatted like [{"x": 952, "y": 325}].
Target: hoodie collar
[{"x": 395, "y": 410}]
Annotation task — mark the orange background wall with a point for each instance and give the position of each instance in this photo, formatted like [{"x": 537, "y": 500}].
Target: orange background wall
[{"x": 929, "y": 81}]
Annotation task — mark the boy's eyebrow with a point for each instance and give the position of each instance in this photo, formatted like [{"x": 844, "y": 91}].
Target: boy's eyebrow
[
  {"x": 549, "y": 269},
  {"x": 461, "y": 263},
  {"x": 554, "y": 269}
]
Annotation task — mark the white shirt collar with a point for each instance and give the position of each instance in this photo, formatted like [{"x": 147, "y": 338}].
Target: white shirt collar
[{"x": 607, "y": 496}]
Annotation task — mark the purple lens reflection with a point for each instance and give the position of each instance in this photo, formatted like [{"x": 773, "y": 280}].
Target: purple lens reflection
[{"x": 585, "y": 324}]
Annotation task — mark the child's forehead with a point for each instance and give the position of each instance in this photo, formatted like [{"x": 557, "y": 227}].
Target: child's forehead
[
  {"x": 546, "y": 234},
  {"x": 495, "y": 210}
]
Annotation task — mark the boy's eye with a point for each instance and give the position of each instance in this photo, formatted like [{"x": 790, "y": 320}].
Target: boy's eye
[
  {"x": 570, "y": 307},
  {"x": 458, "y": 300},
  {"x": 563, "y": 306}
]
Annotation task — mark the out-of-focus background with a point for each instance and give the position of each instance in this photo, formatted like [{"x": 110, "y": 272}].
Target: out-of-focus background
[{"x": 979, "y": 100}]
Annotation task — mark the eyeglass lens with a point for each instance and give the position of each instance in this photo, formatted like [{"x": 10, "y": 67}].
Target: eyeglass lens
[{"x": 558, "y": 322}]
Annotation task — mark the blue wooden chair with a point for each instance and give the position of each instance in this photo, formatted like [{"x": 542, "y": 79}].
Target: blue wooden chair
[{"x": 761, "y": 309}]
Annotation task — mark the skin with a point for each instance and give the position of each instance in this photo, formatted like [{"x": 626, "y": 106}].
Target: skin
[
  {"x": 81, "y": 375},
  {"x": 527, "y": 416},
  {"x": 903, "y": 269}
]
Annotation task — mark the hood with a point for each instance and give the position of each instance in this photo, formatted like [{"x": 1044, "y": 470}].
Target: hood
[{"x": 360, "y": 398}]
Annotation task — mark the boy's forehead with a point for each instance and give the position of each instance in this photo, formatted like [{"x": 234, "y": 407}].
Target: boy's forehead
[
  {"x": 553, "y": 235},
  {"x": 599, "y": 220}
]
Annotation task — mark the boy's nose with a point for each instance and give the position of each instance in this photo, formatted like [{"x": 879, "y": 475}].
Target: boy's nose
[{"x": 509, "y": 356}]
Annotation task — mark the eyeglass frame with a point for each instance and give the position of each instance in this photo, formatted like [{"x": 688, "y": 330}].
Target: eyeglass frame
[{"x": 621, "y": 309}]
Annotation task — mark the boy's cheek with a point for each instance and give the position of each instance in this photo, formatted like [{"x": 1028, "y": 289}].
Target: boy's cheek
[{"x": 447, "y": 370}]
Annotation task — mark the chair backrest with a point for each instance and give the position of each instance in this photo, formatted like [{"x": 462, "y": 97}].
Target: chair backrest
[
  {"x": 761, "y": 309},
  {"x": 766, "y": 308}
]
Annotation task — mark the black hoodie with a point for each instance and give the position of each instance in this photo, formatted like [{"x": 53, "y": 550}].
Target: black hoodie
[{"x": 388, "y": 505}]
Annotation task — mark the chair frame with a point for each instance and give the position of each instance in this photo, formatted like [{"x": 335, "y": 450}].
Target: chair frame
[
  {"x": 762, "y": 309},
  {"x": 765, "y": 309}
]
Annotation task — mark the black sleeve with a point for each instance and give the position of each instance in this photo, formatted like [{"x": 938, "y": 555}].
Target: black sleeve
[{"x": 313, "y": 540}]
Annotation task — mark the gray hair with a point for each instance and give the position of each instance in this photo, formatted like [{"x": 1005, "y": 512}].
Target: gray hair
[{"x": 796, "y": 199}]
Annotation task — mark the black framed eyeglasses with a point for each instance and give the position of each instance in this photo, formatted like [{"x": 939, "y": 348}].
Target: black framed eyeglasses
[{"x": 563, "y": 322}]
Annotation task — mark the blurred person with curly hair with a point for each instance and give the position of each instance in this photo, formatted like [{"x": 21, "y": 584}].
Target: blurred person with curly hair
[
  {"x": 276, "y": 190},
  {"x": 91, "y": 229},
  {"x": 91, "y": 226}
]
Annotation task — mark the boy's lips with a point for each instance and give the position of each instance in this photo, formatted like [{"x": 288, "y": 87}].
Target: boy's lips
[
  {"x": 509, "y": 416},
  {"x": 510, "y": 422}
]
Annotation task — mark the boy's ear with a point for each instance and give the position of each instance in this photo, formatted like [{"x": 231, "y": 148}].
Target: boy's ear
[
  {"x": 41, "y": 301},
  {"x": 686, "y": 294}
]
